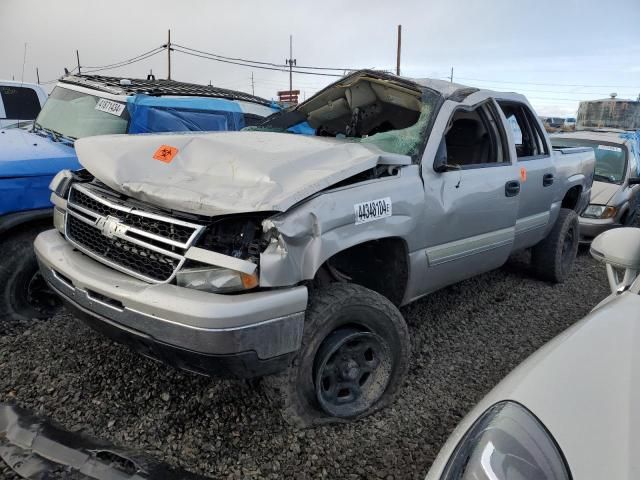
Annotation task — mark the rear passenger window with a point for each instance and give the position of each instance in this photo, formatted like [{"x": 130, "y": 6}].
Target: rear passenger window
[
  {"x": 526, "y": 130},
  {"x": 20, "y": 103}
]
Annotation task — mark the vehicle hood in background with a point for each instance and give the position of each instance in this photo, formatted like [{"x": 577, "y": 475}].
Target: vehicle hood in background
[
  {"x": 25, "y": 154},
  {"x": 226, "y": 172},
  {"x": 603, "y": 192}
]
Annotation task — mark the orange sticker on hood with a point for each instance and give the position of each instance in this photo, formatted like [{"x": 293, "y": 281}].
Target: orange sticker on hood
[{"x": 165, "y": 153}]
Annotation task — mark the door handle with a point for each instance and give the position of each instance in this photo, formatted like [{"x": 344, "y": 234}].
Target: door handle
[
  {"x": 512, "y": 188},
  {"x": 547, "y": 179}
]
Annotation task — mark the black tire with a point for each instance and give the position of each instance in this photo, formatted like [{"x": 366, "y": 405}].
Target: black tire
[
  {"x": 630, "y": 217},
  {"x": 552, "y": 258},
  {"x": 335, "y": 314},
  {"x": 24, "y": 294}
]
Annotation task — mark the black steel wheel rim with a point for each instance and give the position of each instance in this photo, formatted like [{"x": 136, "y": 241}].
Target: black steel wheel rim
[{"x": 352, "y": 371}]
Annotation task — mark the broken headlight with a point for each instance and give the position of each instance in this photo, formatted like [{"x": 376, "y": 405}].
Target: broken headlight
[
  {"x": 507, "y": 441},
  {"x": 216, "y": 279},
  {"x": 61, "y": 183},
  {"x": 599, "y": 211},
  {"x": 238, "y": 237}
]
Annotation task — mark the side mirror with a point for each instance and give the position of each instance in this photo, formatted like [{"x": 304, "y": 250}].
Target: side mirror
[
  {"x": 634, "y": 181},
  {"x": 440, "y": 164},
  {"x": 619, "y": 249}
]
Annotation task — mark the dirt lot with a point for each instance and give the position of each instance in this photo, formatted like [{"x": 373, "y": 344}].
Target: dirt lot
[{"x": 465, "y": 339}]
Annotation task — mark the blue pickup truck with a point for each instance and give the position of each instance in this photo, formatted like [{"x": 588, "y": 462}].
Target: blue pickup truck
[{"x": 81, "y": 106}]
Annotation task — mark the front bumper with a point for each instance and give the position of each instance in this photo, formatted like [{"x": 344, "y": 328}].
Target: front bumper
[
  {"x": 187, "y": 328},
  {"x": 590, "y": 228}
]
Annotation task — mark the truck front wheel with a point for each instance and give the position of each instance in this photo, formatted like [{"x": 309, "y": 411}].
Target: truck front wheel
[
  {"x": 353, "y": 359},
  {"x": 24, "y": 294},
  {"x": 552, "y": 258}
]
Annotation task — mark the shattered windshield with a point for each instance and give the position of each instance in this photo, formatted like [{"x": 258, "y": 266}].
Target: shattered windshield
[
  {"x": 392, "y": 116},
  {"x": 70, "y": 114}
]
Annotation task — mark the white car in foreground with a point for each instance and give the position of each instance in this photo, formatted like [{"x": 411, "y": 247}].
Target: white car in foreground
[{"x": 572, "y": 409}]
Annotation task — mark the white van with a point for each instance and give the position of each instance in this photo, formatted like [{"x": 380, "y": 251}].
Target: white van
[{"x": 20, "y": 102}]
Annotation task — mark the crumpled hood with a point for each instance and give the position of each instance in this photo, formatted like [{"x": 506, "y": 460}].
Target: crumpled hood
[
  {"x": 603, "y": 192},
  {"x": 25, "y": 154},
  {"x": 226, "y": 172}
]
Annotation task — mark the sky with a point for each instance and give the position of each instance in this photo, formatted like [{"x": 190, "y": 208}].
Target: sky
[{"x": 555, "y": 52}]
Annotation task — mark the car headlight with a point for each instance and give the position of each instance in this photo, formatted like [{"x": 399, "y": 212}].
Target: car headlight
[
  {"x": 599, "y": 211},
  {"x": 61, "y": 183},
  {"x": 507, "y": 442},
  {"x": 216, "y": 279}
]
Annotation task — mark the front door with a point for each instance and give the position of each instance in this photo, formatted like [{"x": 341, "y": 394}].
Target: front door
[{"x": 472, "y": 206}]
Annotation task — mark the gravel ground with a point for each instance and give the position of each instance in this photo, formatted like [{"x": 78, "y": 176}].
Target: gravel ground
[{"x": 465, "y": 338}]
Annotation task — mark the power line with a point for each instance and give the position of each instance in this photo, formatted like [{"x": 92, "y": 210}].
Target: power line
[
  {"x": 546, "y": 84},
  {"x": 280, "y": 68},
  {"x": 257, "y": 62},
  {"x": 124, "y": 63},
  {"x": 161, "y": 47}
]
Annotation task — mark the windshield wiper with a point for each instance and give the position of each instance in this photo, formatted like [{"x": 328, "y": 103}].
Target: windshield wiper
[
  {"x": 38, "y": 129},
  {"x": 603, "y": 178},
  {"x": 55, "y": 136}
]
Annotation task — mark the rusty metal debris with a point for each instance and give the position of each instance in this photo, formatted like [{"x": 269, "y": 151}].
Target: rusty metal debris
[{"x": 36, "y": 449}]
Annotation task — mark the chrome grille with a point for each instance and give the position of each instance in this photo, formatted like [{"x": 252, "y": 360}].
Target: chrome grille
[{"x": 143, "y": 244}]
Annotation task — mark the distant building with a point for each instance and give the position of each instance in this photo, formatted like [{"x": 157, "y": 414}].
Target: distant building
[{"x": 609, "y": 113}]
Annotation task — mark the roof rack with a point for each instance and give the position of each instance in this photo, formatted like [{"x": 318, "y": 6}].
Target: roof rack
[{"x": 157, "y": 88}]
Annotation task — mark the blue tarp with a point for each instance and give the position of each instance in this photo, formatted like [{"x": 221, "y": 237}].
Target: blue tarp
[
  {"x": 164, "y": 114},
  {"x": 302, "y": 129},
  {"x": 634, "y": 140}
]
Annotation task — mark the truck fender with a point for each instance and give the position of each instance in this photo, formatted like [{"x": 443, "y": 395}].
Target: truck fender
[
  {"x": 16, "y": 219},
  {"x": 304, "y": 238}
]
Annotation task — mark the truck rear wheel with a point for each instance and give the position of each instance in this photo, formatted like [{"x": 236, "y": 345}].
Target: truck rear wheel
[
  {"x": 552, "y": 258},
  {"x": 353, "y": 359},
  {"x": 24, "y": 295}
]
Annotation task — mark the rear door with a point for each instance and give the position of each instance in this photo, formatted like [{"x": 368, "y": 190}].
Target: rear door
[
  {"x": 536, "y": 170},
  {"x": 471, "y": 208}
]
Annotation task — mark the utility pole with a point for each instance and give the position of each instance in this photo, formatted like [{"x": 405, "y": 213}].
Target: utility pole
[
  {"x": 24, "y": 60},
  {"x": 253, "y": 92},
  {"x": 291, "y": 62},
  {"x": 169, "y": 54},
  {"x": 78, "y": 58},
  {"x": 399, "y": 47},
  {"x": 451, "y": 77},
  {"x": 38, "y": 75}
]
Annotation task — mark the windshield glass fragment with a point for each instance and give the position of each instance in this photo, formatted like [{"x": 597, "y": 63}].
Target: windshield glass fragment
[{"x": 391, "y": 115}]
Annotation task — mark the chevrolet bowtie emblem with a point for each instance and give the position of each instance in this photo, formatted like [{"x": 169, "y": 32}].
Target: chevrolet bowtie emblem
[{"x": 111, "y": 227}]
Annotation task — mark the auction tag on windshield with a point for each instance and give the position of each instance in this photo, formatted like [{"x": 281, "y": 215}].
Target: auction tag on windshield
[
  {"x": 372, "y": 210},
  {"x": 610, "y": 148},
  {"x": 109, "y": 106}
]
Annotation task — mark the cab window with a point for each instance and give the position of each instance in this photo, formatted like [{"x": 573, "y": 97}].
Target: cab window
[
  {"x": 528, "y": 137},
  {"x": 473, "y": 138},
  {"x": 20, "y": 103}
]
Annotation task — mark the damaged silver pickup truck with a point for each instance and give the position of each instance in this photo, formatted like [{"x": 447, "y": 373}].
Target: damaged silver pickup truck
[{"x": 266, "y": 253}]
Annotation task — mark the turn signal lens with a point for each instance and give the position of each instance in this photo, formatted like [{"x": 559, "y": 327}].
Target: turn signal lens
[{"x": 249, "y": 281}]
